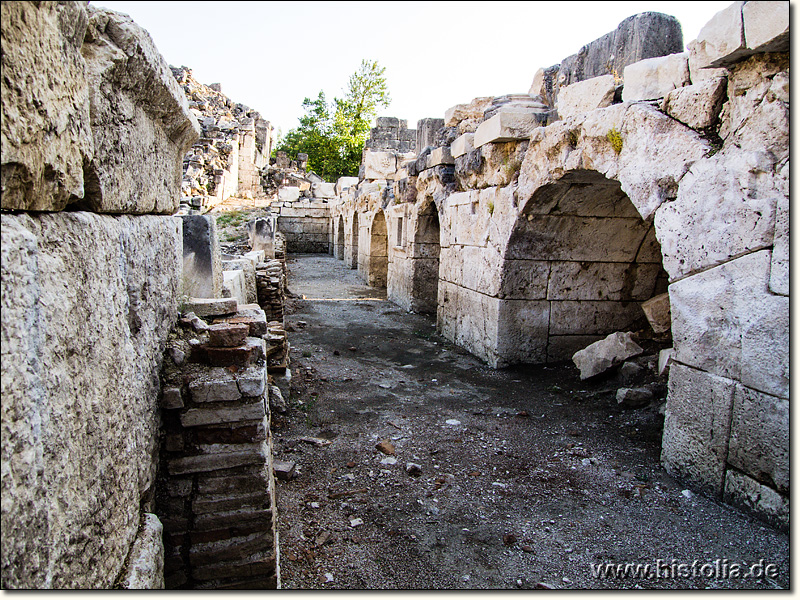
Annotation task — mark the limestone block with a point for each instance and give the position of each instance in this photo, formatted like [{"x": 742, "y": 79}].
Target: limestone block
[
  {"x": 45, "y": 134},
  {"x": 571, "y": 238},
  {"x": 655, "y": 77},
  {"x": 88, "y": 302},
  {"x": 725, "y": 321},
  {"x": 657, "y": 312},
  {"x": 522, "y": 331},
  {"x": 261, "y": 232},
  {"x": 247, "y": 269},
  {"x": 746, "y": 492},
  {"x": 477, "y": 324},
  {"x": 379, "y": 165},
  {"x": 766, "y": 25},
  {"x": 146, "y": 562},
  {"x": 195, "y": 417},
  {"x": 440, "y": 156},
  {"x": 665, "y": 358},
  {"x": 202, "y": 264},
  {"x": 210, "y": 307},
  {"x": 725, "y": 206},
  {"x": 759, "y": 443},
  {"x": 583, "y": 96},
  {"x": 140, "y": 118},
  {"x": 253, "y": 455},
  {"x": 234, "y": 286},
  {"x": 323, "y": 190},
  {"x": 461, "y": 112},
  {"x": 721, "y": 40},
  {"x": 779, "y": 268},
  {"x": 601, "y": 281},
  {"x": 698, "y": 105},
  {"x": 645, "y": 35},
  {"x": 525, "y": 279},
  {"x": 698, "y": 61},
  {"x": 606, "y": 353},
  {"x": 345, "y": 182},
  {"x": 426, "y": 132},
  {"x": 506, "y": 127},
  {"x": 697, "y": 426},
  {"x": 289, "y": 194},
  {"x": 218, "y": 386},
  {"x": 587, "y": 317},
  {"x": 461, "y": 145}
]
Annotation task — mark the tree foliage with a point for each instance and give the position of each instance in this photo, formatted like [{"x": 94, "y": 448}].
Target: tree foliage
[{"x": 333, "y": 135}]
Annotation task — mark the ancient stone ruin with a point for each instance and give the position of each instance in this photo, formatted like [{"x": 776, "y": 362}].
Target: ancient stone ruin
[{"x": 637, "y": 193}]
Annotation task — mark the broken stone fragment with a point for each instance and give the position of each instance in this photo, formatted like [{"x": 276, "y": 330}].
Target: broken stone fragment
[
  {"x": 226, "y": 335},
  {"x": 386, "y": 447},
  {"x": 283, "y": 469},
  {"x": 253, "y": 350},
  {"x": 658, "y": 313},
  {"x": 276, "y": 400},
  {"x": 634, "y": 397},
  {"x": 171, "y": 398},
  {"x": 413, "y": 469},
  {"x": 606, "y": 353}
]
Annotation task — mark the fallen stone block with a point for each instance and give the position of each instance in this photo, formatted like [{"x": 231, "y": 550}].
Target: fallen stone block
[
  {"x": 634, "y": 397},
  {"x": 657, "y": 312},
  {"x": 461, "y": 112},
  {"x": 276, "y": 400},
  {"x": 605, "y": 354},
  {"x": 171, "y": 398},
  {"x": 283, "y": 469},
  {"x": 697, "y": 106}
]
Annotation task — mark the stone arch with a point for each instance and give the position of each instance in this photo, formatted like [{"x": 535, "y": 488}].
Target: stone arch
[
  {"x": 338, "y": 240},
  {"x": 425, "y": 254},
  {"x": 579, "y": 262},
  {"x": 378, "y": 251}
]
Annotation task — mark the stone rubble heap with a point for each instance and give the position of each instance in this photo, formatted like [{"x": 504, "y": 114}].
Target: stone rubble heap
[
  {"x": 234, "y": 145},
  {"x": 217, "y": 489}
]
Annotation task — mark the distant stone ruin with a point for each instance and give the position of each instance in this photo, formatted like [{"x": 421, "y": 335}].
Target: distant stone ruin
[{"x": 636, "y": 191}]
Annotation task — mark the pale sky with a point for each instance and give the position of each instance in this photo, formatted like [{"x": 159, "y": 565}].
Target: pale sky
[{"x": 271, "y": 55}]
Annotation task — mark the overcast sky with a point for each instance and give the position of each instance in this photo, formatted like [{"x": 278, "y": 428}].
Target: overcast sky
[{"x": 271, "y": 55}]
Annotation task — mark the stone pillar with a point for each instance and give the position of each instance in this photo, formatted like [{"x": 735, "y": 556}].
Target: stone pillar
[{"x": 202, "y": 264}]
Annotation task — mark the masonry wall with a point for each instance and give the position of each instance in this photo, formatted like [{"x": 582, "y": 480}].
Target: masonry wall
[
  {"x": 89, "y": 295},
  {"x": 563, "y": 210}
]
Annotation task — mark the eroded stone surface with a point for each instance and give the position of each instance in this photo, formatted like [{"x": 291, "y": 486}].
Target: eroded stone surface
[
  {"x": 655, "y": 77},
  {"x": 606, "y": 353}
]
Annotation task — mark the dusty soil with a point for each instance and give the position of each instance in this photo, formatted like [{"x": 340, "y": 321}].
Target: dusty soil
[{"x": 525, "y": 477}]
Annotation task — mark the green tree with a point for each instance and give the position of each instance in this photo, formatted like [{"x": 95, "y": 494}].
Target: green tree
[{"x": 333, "y": 135}]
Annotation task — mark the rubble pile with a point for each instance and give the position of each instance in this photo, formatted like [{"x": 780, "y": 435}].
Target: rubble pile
[{"x": 235, "y": 143}]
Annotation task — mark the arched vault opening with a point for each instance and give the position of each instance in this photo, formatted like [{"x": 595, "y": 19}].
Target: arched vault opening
[
  {"x": 425, "y": 254},
  {"x": 378, "y": 252},
  {"x": 579, "y": 263},
  {"x": 339, "y": 239}
]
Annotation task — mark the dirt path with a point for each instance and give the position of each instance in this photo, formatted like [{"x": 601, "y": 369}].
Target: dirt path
[{"x": 524, "y": 477}]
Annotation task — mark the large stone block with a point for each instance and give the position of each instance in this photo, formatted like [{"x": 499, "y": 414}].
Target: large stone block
[
  {"x": 462, "y": 145},
  {"x": 697, "y": 426},
  {"x": 45, "y": 132},
  {"x": 146, "y": 563},
  {"x": 601, "y": 281},
  {"x": 261, "y": 232},
  {"x": 522, "y": 331},
  {"x": 655, "y": 77},
  {"x": 747, "y": 493},
  {"x": 587, "y": 317},
  {"x": 461, "y": 112},
  {"x": 379, "y": 165},
  {"x": 88, "y": 302},
  {"x": 698, "y": 105},
  {"x": 583, "y": 96},
  {"x": 725, "y": 206},
  {"x": 759, "y": 444},
  {"x": 426, "y": 132},
  {"x": 766, "y": 25},
  {"x": 506, "y": 127},
  {"x": 202, "y": 263},
  {"x": 646, "y": 35},
  {"x": 323, "y": 190},
  {"x": 725, "y": 321},
  {"x": 525, "y": 279},
  {"x": 140, "y": 119}
]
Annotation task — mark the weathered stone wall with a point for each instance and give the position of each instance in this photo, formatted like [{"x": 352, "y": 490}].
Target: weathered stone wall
[
  {"x": 92, "y": 120},
  {"x": 554, "y": 229}
]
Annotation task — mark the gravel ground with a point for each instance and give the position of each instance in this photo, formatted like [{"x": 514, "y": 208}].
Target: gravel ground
[{"x": 494, "y": 479}]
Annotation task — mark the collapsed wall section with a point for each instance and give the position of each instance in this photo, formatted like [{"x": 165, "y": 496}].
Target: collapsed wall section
[{"x": 88, "y": 299}]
